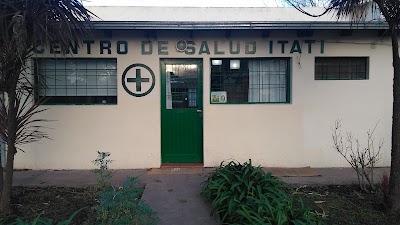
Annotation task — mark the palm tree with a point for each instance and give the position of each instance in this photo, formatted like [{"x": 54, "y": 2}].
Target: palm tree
[
  {"x": 24, "y": 26},
  {"x": 356, "y": 10}
]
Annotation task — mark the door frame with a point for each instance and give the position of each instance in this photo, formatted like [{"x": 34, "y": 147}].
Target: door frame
[{"x": 163, "y": 62}]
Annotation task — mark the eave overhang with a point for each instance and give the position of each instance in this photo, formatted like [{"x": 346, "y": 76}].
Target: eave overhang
[{"x": 168, "y": 25}]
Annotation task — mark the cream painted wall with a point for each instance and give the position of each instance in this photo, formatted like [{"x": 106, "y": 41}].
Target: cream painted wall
[{"x": 286, "y": 135}]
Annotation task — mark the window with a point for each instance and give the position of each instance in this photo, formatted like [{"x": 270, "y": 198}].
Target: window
[
  {"x": 77, "y": 81},
  {"x": 341, "y": 68},
  {"x": 256, "y": 80}
]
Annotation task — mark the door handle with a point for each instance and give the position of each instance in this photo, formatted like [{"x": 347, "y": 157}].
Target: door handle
[{"x": 199, "y": 111}]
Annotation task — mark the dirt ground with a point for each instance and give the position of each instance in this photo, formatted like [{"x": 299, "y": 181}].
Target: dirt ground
[
  {"x": 343, "y": 204},
  {"x": 55, "y": 203},
  {"x": 346, "y": 204}
]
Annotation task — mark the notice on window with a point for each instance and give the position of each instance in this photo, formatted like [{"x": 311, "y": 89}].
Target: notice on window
[{"x": 218, "y": 97}]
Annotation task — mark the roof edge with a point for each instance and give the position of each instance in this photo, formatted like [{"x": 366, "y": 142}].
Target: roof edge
[{"x": 226, "y": 25}]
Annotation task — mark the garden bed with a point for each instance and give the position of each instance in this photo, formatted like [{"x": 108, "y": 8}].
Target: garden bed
[
  {"x": 343, "y": 204},
  {"x": 346, "y": 204},
  {"x": 55, "y": 203}
]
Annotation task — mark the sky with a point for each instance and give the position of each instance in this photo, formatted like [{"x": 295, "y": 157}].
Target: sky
[{"x": 183, "y": 3}]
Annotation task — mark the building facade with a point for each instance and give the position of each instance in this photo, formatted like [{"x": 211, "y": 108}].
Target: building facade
[{"x": 204, "y": 85}]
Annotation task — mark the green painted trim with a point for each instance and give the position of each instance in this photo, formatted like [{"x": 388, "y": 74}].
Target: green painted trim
[
  {"x": 168, "y": 157},
  {"x": 36, "y": 93},
  {"x": 288, "y": 82}
]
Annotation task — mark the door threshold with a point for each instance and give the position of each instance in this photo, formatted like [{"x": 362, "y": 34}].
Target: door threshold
[{"x": 182, "y": 165}]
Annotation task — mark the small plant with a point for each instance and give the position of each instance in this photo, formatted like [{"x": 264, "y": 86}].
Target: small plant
[
  {"x": 120, "y": 205},
  {"x": 123, "y": 206},
  {"x": 361, "y": 158},
  {"x": 244, "y": 194},
  {"x": 104, "y": 174}
]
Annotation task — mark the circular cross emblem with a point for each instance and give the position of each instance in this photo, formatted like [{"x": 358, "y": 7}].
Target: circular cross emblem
[{"x": 138, "y": 82}]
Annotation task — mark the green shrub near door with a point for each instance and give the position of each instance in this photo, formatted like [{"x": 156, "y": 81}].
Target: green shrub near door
[{"x": 244, "y": 194}]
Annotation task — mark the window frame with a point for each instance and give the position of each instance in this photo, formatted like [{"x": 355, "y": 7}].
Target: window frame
[
  {"x": 288, "y": 80},
  {"x": 44, "y": 99},
  {"x": 343, "y": 57}
]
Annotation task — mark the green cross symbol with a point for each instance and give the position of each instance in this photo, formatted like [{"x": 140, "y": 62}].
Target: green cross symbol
[{"x": 138, "y": 80}]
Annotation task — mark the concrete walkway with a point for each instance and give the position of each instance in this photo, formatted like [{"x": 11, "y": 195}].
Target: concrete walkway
[{"x": 175, "y": 198}]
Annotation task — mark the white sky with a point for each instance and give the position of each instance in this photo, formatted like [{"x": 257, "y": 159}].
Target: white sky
[{"x": 192, "y": 3}]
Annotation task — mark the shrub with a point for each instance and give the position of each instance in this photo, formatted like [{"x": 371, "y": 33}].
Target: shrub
[
  {"x": 123, "y": 206},
  {"x": 244, "y": 194},
  {"x": 120, "y": 205}
]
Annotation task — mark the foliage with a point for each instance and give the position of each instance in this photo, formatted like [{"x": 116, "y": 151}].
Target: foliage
[
  {"x": 104, "y": 174},
  {"x": 244, "y": 194},
  {"x": 26, "y": 25},
  {"x": 40, "y": 221},
  {"x": 120, "y": 205},
  {"x": 361, "y": 158},
  {"x": 123, "y": 206}
]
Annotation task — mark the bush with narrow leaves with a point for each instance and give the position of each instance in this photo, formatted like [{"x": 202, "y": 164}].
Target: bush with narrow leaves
[
  {"x": 244, "y": 194},
  {"x": 123, "y": 206}
]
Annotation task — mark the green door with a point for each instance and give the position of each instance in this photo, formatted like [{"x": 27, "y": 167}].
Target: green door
[{"x": 181, "y": 111}]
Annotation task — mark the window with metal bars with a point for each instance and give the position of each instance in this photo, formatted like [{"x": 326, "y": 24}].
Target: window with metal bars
[
  {"x": 250, "y": 80},
  {"x": 341, "y": 68},
  {"x": 76, "y": 80}
]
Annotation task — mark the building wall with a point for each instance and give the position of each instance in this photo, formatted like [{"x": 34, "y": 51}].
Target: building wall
[{"x": 286, "y": 135}]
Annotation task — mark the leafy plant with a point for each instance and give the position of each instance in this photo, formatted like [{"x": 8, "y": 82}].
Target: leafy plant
[
  {"x": 123, "y": 206},
  {"x": 102, "y": 161},
  {"x": 244, "y": 194}
]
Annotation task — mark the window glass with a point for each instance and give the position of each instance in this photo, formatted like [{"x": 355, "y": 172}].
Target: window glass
[
  {"x": 77, "y": 81},
  {"x": 341, "y": 68},
  {"x": 258, "y": 80}
]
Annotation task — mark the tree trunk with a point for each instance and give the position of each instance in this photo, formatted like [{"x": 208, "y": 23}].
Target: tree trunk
[
  {"x": 1, "y": 177},
  {"x": 394, "y": 183},
  {"x": 11, "y": 150}
]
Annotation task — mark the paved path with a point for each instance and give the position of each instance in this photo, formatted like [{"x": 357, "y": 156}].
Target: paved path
[{"x": 175, "y": 198}]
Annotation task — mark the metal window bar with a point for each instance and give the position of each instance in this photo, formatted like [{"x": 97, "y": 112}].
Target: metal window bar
[
  {"x": 183, "y": 85},
  {"x": 341, "y": 68},
  {"x": 78, "y": 78}
]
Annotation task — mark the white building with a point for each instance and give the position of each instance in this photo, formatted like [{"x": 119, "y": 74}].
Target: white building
[{"x": 201, "y": 85}]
